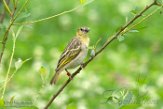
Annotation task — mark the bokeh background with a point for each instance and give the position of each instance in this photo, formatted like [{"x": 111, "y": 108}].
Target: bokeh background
[{"x": 127, "y": 74}]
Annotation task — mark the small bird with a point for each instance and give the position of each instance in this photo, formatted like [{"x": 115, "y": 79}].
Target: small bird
[{"x": 74, "y": 53}]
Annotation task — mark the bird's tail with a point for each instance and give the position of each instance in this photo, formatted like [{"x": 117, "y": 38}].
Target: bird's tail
[{"x": 55, "y": 78}]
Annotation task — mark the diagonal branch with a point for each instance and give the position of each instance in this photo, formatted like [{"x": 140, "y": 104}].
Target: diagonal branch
[{"x": 110, "y": 39}]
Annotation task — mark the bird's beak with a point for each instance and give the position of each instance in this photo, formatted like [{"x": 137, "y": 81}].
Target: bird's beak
[{"x": 87, "y": 30}]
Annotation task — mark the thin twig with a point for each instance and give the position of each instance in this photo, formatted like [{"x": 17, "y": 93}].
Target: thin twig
[
  {"x": 14, "y": 42},
  {"x": 110, "y": 39},
  {"x": 56, "y": 15},
  {"x": 2, "y": 16},
  {"x": 15, "y": 72},
  {"x": 4, "y": 40},
  {"x": 17, "y": 69},
  {"x": 7, "y": 7},
  {"x": 9, "y": 67},
  {"x": 143, "y": 19},
  {"x": 21, "y": 9},
  {"x": 5, "y": 37}
]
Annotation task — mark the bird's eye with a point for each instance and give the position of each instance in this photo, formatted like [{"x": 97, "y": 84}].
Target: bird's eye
[{"x": 81, "y": 29}]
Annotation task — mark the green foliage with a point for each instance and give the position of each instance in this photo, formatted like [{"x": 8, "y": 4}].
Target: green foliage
[
  {"x": 2, "y": 104},
  {"x": 130, "y": 106},
  {"x": 82, "y": 1},
  {"x": 18, "y": 64},
  {"x": 118, "y": 67},
  {"x": 71, "y": 106},
  {"x": 121, "y": 38},
  {"x": 44, "y": 74},
  {"x": 133, "y": 31}
]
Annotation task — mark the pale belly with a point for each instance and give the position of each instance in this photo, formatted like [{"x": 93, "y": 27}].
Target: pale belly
[{"x": 78, "y": 60}]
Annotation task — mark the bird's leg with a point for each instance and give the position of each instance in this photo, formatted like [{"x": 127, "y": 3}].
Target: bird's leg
[{"x": 68, "y": 74}]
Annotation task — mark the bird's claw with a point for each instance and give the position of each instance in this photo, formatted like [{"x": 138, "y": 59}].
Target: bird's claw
[{"x": 69, "y": 75}]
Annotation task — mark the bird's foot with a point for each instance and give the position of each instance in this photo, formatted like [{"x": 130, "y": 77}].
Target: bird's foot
[{"x": 69, "y": 74}]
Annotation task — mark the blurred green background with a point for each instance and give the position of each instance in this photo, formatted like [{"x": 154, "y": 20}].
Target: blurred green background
[{"x": 127, "y": 74}]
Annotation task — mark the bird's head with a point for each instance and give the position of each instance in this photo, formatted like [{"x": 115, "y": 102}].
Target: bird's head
[{"x": 83, "y": 31}]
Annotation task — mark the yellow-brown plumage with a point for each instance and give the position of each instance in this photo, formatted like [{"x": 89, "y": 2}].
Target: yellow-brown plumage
[{"x": 74, "y": 53}]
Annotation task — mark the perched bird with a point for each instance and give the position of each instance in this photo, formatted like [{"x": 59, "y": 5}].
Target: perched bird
[{"x": 74, "y": 53}]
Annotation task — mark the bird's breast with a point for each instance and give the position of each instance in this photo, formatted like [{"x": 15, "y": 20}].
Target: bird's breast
[
  {"x": 85, "y": 40},
  {"x": 79, "y": 59}
]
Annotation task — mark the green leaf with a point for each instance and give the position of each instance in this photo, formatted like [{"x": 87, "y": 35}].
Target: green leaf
[
  {"x": 43, "y": 73},
  {"x": 12, "y": 99},
  {"x": 18, "y": 64},
  {"x": 135, "y": 11},
  {"x": 42, "y": 70},
  {"x": 120, "y": 38},
  {"x": 134, "y": 31},
  {"x": 82, "y": 1}
]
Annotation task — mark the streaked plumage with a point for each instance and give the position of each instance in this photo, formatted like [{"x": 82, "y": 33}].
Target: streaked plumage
[{"x": 74, "y": 53}]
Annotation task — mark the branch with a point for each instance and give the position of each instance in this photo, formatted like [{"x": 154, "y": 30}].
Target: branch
[
  {"x": 32, "y": 22},
  {"x": 56, "y": 15},
  {"x": 12, "y": 20},
  {"x": 2, "y": 16},
  {"x": 110, "y": 39},
  {"x": 5, "y": 37},
  {"x": 7, "y": 7},
  {"x": 143, "y": 19},
  {"x": 9, "y": 67}
]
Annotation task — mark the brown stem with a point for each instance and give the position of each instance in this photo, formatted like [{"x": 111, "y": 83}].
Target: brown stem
[
  {"x": 110, "y": 39},
  {"x": 4, "y": 41},
  {"x": 5, "y": 37},
  {"x": 2, "y": 16}
]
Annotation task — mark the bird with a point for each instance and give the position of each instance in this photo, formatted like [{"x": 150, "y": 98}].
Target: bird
[{"x": 74, "y": 53}]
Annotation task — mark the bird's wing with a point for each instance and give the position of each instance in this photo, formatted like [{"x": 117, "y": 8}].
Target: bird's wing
[{"x": 72, "y": 50}]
